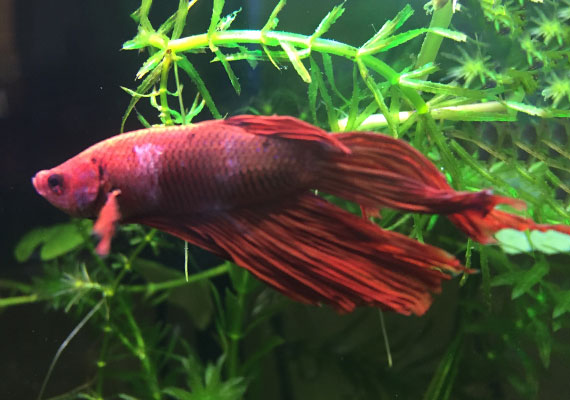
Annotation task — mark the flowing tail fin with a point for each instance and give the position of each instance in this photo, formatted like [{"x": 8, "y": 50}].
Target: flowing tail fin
[
  {"x": 381, "y": 171},
  {"x": 315, "y": 252}
]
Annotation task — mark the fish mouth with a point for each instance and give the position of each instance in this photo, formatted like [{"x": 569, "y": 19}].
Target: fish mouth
[{"x": 36, "y": 182}]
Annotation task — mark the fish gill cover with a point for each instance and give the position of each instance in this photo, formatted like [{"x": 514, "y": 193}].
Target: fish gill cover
[{"x": 490, "y": 110}]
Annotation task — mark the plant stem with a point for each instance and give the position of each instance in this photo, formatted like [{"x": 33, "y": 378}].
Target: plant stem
[
  {"x": 22, "y": 287},
  {"x": 489, "y": 111},
  {"x": 140, "y": 351},
  {"x": 276, "y": 38},
  {"x": 154, "y": 287},
  {"x": 164, "y": 109},
  {"x": 235, "y": 334},
  {"x": 441, "y": 18},
  {"x": 12, "y": 301}
]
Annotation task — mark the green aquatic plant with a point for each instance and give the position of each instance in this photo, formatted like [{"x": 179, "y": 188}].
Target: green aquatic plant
[
  {"x": 557, "y": 89},
  {"x": 511, "y": 313},
  {"x": 472, "y": 67}
]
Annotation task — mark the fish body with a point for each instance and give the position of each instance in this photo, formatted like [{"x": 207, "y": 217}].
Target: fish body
[
  {"x": 241, "y": 188},
  {"x": 204, "y": 168}
]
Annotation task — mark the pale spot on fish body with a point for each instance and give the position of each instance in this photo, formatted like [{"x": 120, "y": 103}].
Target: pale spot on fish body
[{"x": 148, "y": 157}]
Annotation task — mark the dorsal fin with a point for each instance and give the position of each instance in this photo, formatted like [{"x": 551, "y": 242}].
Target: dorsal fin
[{"x": 285, "y": 127}]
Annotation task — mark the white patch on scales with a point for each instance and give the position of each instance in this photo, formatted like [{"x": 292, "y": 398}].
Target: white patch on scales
[{"x": 148, "y": 156}]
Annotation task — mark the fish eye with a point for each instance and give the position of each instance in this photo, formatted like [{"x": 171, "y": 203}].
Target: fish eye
[{"x": 55, "y": 183}]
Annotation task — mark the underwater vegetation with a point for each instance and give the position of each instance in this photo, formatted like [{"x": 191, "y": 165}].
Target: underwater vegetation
[{"x": 489, "y": 109}]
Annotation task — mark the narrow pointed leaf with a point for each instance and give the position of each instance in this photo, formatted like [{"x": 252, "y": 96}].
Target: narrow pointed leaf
[
  {"x": 150, "y": 64},
  {"x": 143, "y": 88},
  {"x": 312, "y": 92},
  {"x": 529, "y": 279},
  {"x": 331, "y": 112},
  {"x": 441, "y": 88},
  {"x": 527, "y": 109},
  {"x": 354, "y": 101},
  {"x": 443, "y": 380},
  {"x": 200, "y": 85},
  {"x": 216, "y": 14},
  {"x": 396, "y": 40},
  {"x": 562, "y": 301},
  {"x": 225, "y": 22},
  {"x": 328, "y": 67},
  {"x": 328, "y": 21},
  {"x": 426, "y": 69},
  {"x": 392, "y": 25},
  {"x": 233, "y": 78},
  {"x": 272, "y": 21},
  {"x": 378, "y": 96},
  {"x": 261, "y": 352},
  {"x": 296, "y": 61},
  {"x": 180, "y": 19}
]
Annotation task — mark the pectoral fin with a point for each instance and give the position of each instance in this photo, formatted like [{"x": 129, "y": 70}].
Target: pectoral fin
[{"x": 106, "y": 223}]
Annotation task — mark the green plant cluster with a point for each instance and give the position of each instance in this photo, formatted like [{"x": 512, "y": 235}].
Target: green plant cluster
[{"x": 487, "y": 120}]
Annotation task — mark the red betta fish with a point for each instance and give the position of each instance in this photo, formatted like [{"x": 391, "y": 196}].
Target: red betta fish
[{"x": 241, "y": 188}]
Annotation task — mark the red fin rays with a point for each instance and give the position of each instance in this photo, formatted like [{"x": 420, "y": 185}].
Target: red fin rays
[
  {"x": 285, "y": 127},
  {"x": 383, "y": 171},
  {"x": 315, "y": 252},
  {"x": 106, "y": 223}
]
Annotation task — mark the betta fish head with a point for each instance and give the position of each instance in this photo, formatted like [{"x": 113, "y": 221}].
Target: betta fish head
[{"x": 73, "y": 186}]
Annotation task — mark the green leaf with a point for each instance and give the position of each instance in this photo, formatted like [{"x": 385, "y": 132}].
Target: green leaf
[
  {"x": 151, "y": 63},
  {"x": 444, "y": 378},
  {"x": 394, "y": 41},
  {"x": 197, "y": 107},
  {"x": 210, "y": 386},
  {"x": 527, "y": 109},
  {"x": 55, "y": 240},
  {"x": 354, "y": 101},
  {"x": 442, "y": 88},
  {"x": 528, "y": 279},
  {"x": 272, "y": 21},
  {"x": 328, "y": 68},
  {"x": 312, "y": 92},
  {"x": 201, "y": 86},
  {"x": 543, "y": 340},
  {"x": 216, "y": 13},
  {"x": 316, "y": 76},
  {"x": 562, "y": 303},
  {"x": 179, "y": 394},
  {"x": 142, "y": 89},
  {"x": 391, "y": 26},
  {"x": 506, "y": 279},
  {"x": 378, "y": 97},
  {"x": 261, "y": 351},
  {"x": 296, "y": 61},
  {"x": 522, "y": 281},
  {"x": 180, "y": 19},
  {"x": 233, "y": 78},
  {"x": 328, "y": 21},
  {"x": 225, "y": 22}
]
